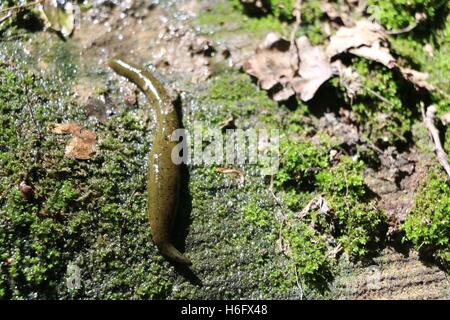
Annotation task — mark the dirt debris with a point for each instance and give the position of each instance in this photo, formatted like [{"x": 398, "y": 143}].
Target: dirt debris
[{"x": 395, "y": 183}]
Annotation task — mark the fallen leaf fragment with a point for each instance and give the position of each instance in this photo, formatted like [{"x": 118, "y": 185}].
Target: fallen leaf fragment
[
  {"x": 314, "y": 69},
  {"x": 67, "y": 128},
  {"x": 287, "y": 70},
  {"x": 366, "y": 39},
  {"x": 417, "y": 78},
  {"x": 60, "y": 16},
  {"x": 272, "y": 62},
  {"x": 82, "y": 144},
  {"x": 377, "y": 53},
  {"x": 364, "y": 33}
]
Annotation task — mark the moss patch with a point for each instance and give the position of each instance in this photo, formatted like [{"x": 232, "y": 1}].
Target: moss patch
[{"x": 428, "y": 226}]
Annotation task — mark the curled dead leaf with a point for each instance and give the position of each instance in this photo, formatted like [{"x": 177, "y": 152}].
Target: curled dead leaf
[
  {"x": 314, "y": 69},
  {"x": 377, "y": 53},
  {"x": 366, "y": 39},
  {"x": 271, "y": 64},
  {"x": 287, "y": 69},
  {"x": 417, "y": 78}
]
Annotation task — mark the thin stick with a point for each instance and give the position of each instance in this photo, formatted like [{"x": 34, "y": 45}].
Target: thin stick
[
  {"x": 428, "y": 119},
  {"x": 379, "y": 96},
  {"x": 298, "y": 18},
  {"x": 5, "y": 17},
  {"x": 404, "y": 30},
  {"x": 21, "y": 6},
  {"x": 297, "y": 280}
]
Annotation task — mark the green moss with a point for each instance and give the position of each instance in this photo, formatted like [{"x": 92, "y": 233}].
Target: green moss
[
  {"x": 428, "y": 225},
  {"x": 309, "y": 252},
  {"x": 92, "y": 214},
  {"x": 351, "y": 218},
  {"x": 233, "y": 93},
  {"x": 227, "y": 17},
  {"x": 258, "y": 216},
  {"x": 385, "y": 105},
  {"x": 61, "y": 223},
  {"x": 398, "y": 14},
  {"x": 354, "y": 220},
  {"x": 301, "y": 161},
  {"x": 411, "y": 50}
]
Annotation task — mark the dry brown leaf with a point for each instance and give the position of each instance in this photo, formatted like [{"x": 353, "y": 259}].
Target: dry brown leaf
[
  {"x": 417, "y": 78},
  {"x": 287, "y": 70},
  {"x": 364, "y": 33},
  {"x": 82, "y": 144},
  {"x": 272, "y": 62},
  {"x": 67, "y": 128},
  {"x": 366, "y": 39},
  {"x": 377, "y": 53},
  {"x": 314, "y": 70}
]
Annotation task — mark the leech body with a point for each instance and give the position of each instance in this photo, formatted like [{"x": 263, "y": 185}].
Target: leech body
[{"x": 163, "y": 176}]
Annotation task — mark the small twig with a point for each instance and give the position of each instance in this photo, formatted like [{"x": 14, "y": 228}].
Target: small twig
[
  {"x": 33, "y": 119},
  {"x": 5, "y": 17},
  {"x": 21, "y": 6},
  {"x": 297, "y": 279},
  {"x": 335, "y": 251},
  {"x": 298, "y": 18},
  {"x": 277, "y": 201},
  {"x": 404, "y": 30},
  {"x": 428, "y": 119},
  {"x": 379, "y": 96}
]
